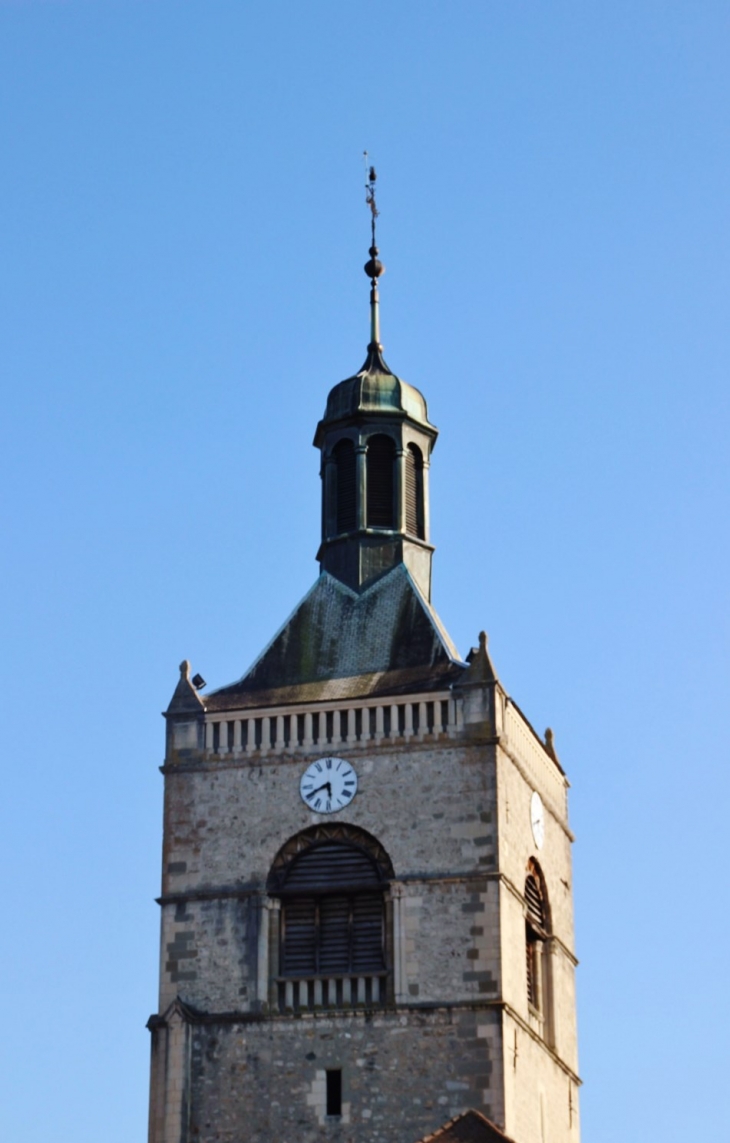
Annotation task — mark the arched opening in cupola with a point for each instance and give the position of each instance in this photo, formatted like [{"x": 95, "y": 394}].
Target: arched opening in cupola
[
  {"x": 346, "y": 484},
  {"x": 381, "y": 482},
  {"x": 414, "y": 492}
]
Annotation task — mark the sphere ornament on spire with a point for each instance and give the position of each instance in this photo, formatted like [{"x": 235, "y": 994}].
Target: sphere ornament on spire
[{"x": 374, "y": 269}]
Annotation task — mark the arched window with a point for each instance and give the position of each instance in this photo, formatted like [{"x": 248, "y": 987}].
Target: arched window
[
  {"x": 332, "y": 881},
  {"x": 381, "y": 482},
  {"x": 344, "y": 454},
  {"x": 536, "y": 932},
  {"x": 414, "y": 491}
]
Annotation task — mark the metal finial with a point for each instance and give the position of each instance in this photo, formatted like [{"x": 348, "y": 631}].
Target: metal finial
[{"x": 373, "y": 268}]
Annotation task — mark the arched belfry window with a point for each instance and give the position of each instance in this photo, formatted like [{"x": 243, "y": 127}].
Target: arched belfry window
[
  {"x": 414, "y": 491},
  {"x": 331, "y": 881},
  {"x": 381, "y": 482},
  {"x": 536, "y": 933},
  {"x": 344, "y": 454}
]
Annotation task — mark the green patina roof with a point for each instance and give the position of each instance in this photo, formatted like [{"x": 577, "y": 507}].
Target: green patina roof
[{"x": 375, "y": 389}]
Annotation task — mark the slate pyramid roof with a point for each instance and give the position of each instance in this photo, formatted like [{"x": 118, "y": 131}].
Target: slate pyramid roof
[{"x": 340, "y": 644}]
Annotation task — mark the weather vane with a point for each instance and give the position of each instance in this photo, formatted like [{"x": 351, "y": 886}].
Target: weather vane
[
  {"x": 370, "y": 194},
  {"x": 373, "y": 268}
]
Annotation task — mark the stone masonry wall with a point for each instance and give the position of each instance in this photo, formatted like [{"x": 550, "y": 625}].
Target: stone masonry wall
[
  {"x": 403, "y": 1076},
  {"x": 432, "y": 808}
]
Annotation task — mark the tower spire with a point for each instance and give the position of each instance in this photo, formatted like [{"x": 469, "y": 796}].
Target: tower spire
[{"x": 373, "y": 268}]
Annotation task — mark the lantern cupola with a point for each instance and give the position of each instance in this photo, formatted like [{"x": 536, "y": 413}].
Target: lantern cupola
[{"x": 376, "y": 442}]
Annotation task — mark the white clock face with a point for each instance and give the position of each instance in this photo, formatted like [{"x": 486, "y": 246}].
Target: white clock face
[
  {"x": 328, "y": 785},
  {"x": 537, "y": 819}
]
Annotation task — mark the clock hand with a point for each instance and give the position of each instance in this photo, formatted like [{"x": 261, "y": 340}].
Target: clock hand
[{"x": 324, "y": 786}]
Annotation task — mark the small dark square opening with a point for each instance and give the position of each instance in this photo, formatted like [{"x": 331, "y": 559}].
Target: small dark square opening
[{"x": 334, "y": 1091}]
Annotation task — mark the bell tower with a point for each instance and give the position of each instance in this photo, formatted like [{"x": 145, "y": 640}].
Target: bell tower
[{"x": 366, "y": 902}]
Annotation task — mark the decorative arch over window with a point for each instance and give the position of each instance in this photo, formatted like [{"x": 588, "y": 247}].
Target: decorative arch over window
[
  {"x": 537, "y": 931},
  {"x": 381, "y": 482},
  {"x": 316, "y": 835},
  {"x": 331, "y": 881},
  {"x": 414, "y": 491},
  {"x": 346, "y": 486}
]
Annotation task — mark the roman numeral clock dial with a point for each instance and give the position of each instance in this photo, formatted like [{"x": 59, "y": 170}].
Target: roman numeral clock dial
[{"x": 328, "y": 785}]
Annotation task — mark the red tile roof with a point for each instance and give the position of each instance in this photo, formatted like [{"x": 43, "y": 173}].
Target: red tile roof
[{"x": 470, "y": 1127}]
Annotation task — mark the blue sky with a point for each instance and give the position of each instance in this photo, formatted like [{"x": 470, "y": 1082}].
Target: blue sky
[{"x": 182, "y": 236}]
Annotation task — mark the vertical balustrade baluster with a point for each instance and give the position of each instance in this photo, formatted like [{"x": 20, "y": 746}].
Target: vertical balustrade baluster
[
  {"x": 280, "y": 743},
  {"x": 222, "y": 737},
  {"x": 351, "y": 726},
  {"x": 379, "y": 724},
  {"x": 361, "y": 997},
  {"x": 394, "y": 722},
  {"x": 209, "y": 737},
  {"x": 422, "y": 720},
  {"x": 451, "y": 729},
  {"x": 250, "y": 735},
  {"x": 346, "y": 992},
  {"x": 236, "y": 736},
  {"x": 318, "y": 994},
  {"x": 265, "y": 734},
  {"x": 408, "y": 729},
  {"x": 308, "y": 739}
]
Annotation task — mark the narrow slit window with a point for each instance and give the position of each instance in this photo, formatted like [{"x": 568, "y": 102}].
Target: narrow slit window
[{"x": 334, "y": 1091}]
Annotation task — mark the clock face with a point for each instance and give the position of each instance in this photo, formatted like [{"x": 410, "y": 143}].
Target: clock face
[
  {"x": 328, "y": 785},
  {"x": 537, "y": 819}
]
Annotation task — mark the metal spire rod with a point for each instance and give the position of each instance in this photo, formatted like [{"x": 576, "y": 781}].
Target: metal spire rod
[{"x": 373, "y": 268}]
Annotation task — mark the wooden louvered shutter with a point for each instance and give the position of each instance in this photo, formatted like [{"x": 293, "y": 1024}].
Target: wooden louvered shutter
[
  {"x": 367, "y": 933},
  {"x": 331, "y": 866},
  {"x": 333, "y": 912},
  {"x": 534, "y": 933},
  {"x": 300, "y": 937},
  {"x": 344, "y": 453},
  {"x": 533, "y": 897},
  {"x": 531, "y": 951},
  {"x": 414, "y": 492},
  {"x": 334, "y": 935},
  {"x": 381, "y": 483}
]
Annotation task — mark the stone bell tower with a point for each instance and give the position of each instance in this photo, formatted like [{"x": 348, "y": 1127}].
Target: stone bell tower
[{"x": 367, "y": 924}]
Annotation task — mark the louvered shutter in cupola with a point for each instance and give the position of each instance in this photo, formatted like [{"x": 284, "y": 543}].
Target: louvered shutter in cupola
[
  {"x": 380, "y": 482},
  {"x": 414, "y": 492},
  {"x": 344, "y": 454}
]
